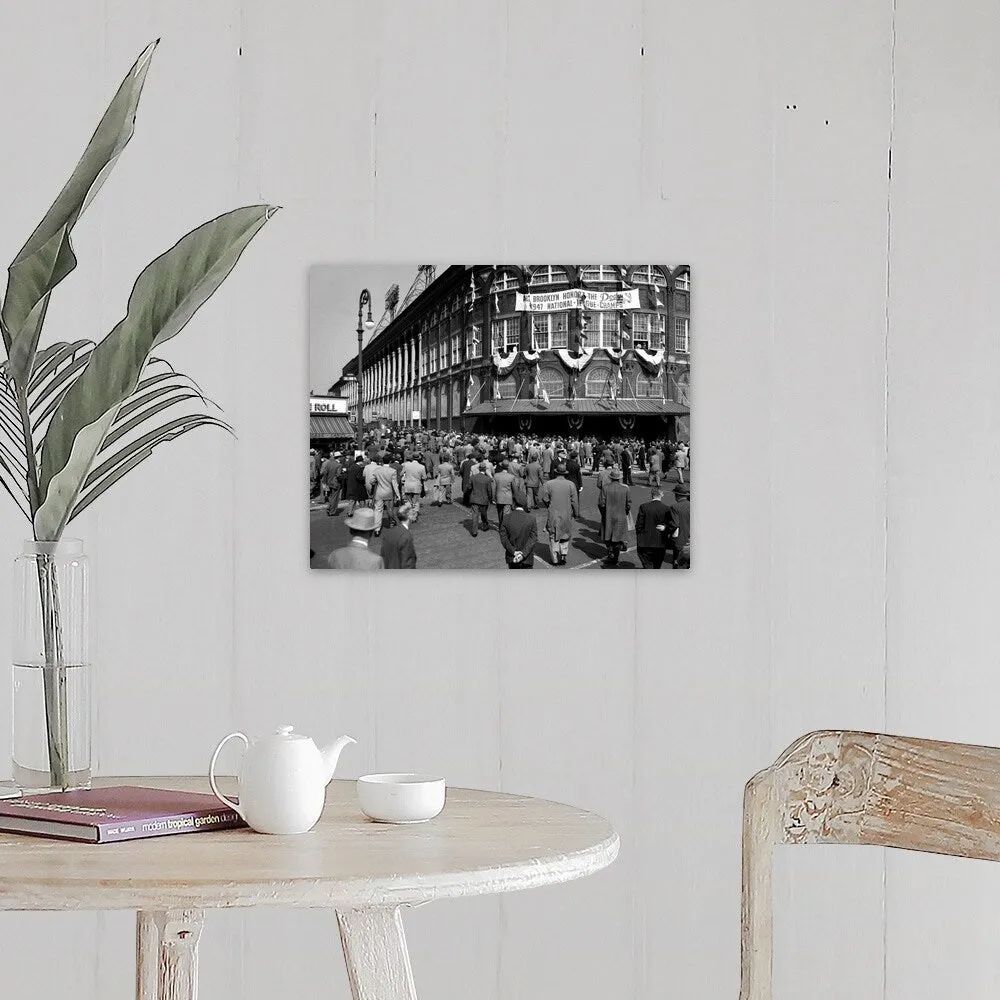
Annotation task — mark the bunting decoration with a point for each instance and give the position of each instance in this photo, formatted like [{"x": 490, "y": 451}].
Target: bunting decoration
[
  {"x": 576, "y": 363},
  {"x": 653, "y": 360},
  {"x": 504, "y": 363}
]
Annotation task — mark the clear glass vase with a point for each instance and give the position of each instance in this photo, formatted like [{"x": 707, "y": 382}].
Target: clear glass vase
[{"x": 50, "y": 722}]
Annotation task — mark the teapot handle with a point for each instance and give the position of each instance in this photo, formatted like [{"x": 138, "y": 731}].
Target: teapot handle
[{"x": 211, "y": 774}]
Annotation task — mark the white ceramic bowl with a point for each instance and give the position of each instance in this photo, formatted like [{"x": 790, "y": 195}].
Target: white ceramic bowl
[{"x": 401, "y": 798}]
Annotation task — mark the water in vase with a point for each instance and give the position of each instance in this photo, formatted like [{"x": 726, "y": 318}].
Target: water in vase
[{"x": 30, "y": 739}]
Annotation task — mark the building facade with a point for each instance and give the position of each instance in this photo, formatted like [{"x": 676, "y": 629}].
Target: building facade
[{"x": 595, "y": 348}]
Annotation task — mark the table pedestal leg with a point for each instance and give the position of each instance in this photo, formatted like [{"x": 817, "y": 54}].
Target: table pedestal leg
[
  {"x": 167, "y": 954},
  {"x": 378, "y": 966}
]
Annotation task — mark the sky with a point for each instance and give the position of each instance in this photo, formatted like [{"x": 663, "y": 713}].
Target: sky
[{"x": 334, "y": 290}]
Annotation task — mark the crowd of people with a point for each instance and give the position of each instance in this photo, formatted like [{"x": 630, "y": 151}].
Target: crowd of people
[{"x": 384, "y": 486}]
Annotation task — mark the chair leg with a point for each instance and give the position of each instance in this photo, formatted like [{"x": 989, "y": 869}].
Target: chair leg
[
  {"x": 167, "y": 954},
  {"x": 378, "y": 965}
]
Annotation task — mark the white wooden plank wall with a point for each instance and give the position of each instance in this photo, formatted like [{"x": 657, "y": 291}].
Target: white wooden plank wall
[{"x": 846, "y": 547}]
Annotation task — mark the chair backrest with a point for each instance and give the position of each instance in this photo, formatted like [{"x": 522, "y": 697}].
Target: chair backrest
[{"x": 841, "y": 787}]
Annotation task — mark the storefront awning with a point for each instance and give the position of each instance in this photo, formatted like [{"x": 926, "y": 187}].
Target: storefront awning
[
  {"x": 638, "y": 407},
  {"x": 325, "y": 425}
]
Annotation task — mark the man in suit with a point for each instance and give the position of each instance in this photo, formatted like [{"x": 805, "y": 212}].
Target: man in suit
[
  {"x": 654, "y": 528},
  {"x": 357, "y": 555},
  {"x": 413, "y": 475},
  {"x": 384, "y": 488},
  {"x": 533, "y": 479},
  {"x": 445, "y": 477},
  {"x": 481, "y": 496},
  {"x": 518, "y": 534},
  {"x": 617, "y": 504},
  {"x": 330, "y": 477},
  {"x": 573, "y": 471},
  {"x": 559, "y": 495},
  {"x": 357, "y": 492},
  {"x": 681, "y": 511},
  {"x": 466, "y": 470},
  {"x": 397, "y": 542},
  {"x": 503, "y": 490}
]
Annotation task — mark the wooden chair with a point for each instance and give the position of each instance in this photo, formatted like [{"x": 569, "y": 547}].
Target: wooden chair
[{"x": 836, "y": 787}]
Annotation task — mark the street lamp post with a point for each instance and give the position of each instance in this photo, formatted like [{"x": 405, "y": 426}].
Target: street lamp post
[{"x": 364, "y": 300}]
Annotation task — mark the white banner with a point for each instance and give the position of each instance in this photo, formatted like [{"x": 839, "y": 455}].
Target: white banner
[{"x": 576, "y": 298}]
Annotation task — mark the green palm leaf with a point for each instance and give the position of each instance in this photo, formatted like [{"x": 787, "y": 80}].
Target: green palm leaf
[
  {"x": 123, "y": 461},
  {"x": 44, "y": 396},
  {"x": 166, "y": 295},
  {"x": 13, "y": 464},
  {"x": 48, "y": 255}
]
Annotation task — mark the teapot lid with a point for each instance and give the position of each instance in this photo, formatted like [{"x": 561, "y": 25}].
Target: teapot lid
[{"x": 286, "y": 733}]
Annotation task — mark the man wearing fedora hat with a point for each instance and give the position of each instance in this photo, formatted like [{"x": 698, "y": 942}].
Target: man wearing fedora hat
[
  {"x": 559, "y": 496},
  {"x": 681, "y": 540},
  {"x": 617, "y": 504},
  {"x": 357, "y": 555},
  {"x": 397, "y": 542}
]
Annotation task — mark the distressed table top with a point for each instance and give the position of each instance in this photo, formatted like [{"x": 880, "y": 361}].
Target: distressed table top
[{"x": 482, "y": 842}]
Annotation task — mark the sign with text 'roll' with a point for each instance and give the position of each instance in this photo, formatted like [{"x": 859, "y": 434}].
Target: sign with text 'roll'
[
  {"x": 328, "y": 404},
  {"x": 576, "y": 298}
]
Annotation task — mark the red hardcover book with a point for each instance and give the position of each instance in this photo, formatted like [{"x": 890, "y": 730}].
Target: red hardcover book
[{"x": 118, "y": 812}]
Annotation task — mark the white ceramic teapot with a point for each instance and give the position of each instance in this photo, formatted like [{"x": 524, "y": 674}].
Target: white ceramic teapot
[{"x": 282, "y": 783}]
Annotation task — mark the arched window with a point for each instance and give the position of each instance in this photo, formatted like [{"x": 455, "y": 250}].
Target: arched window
[
  {"x": 549, "y": 274},
  {"x": 599, "y": 272},
  {"x": 648, "y": 386},
  {"x": 596, "y": 382},
  {"x": 508, "y": 388},
  {"x": 648, "y": 274},
  {"x": 505, "y": 278},
  {"x": 552, "y": 381}
]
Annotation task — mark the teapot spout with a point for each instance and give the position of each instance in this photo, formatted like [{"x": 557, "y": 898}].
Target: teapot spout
[{"x": 331, "y": 754}]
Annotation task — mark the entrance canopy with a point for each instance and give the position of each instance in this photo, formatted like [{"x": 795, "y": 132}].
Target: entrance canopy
[{"x": 325, "y": 425}]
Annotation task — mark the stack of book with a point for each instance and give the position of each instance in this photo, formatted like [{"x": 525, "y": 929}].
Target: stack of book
[{"x": 118, "y": 812}]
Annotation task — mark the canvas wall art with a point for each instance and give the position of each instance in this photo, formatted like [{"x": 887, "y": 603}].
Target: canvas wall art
[{"x": 500, "y": 416}]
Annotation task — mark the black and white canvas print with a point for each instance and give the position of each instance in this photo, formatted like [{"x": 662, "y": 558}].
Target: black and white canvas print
[{"x": 500, "y": 416}]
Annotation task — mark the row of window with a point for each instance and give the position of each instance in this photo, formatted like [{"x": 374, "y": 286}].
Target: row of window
[
  {"x": 553, "y": 274},
  {"x": 599, "y": 380},
  {"x": 550, "y": 331}
]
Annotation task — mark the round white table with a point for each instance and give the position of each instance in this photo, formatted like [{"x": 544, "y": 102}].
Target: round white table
[{"x": 482, "y": 842}]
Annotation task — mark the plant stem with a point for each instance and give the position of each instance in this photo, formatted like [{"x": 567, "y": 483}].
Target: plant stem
[
  {"x": 53, "y": 673},
  {"x": 54, "y": 669}
]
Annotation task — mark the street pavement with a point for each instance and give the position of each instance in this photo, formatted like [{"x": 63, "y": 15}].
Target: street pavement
[{"x": 443, "y": 540}]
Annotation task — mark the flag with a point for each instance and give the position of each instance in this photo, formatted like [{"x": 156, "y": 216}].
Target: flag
[
  {"x": 496, "y": 302},
  {"x": 496, "y": 388},
  {"x": 538, "y": 382},
  {"x": 472, "y": 386},
  {"x": 659, "y": 298},
  {"x": 472, "y": 291},
  {"x": 545, "y": 396}
]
